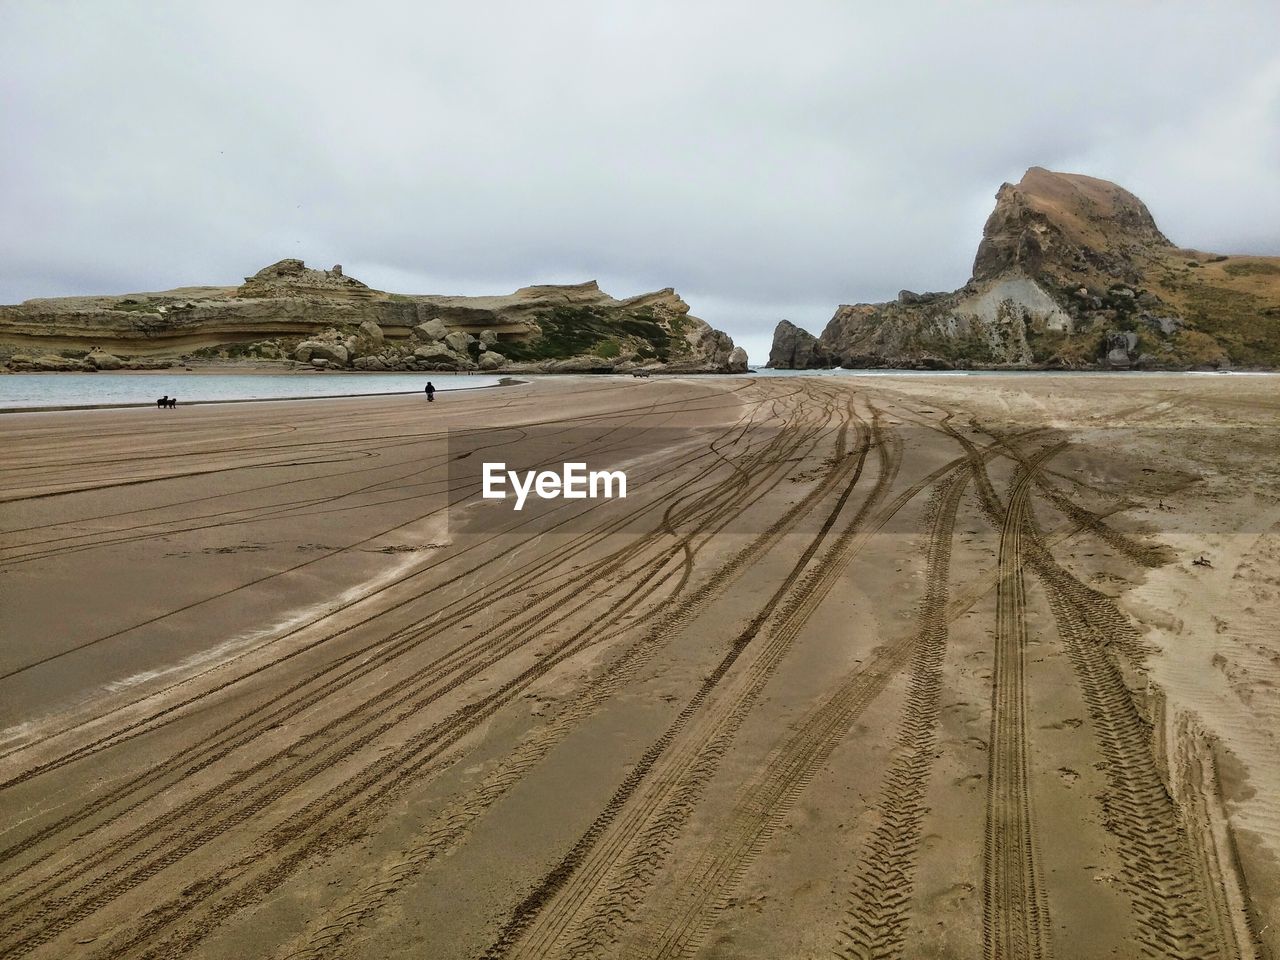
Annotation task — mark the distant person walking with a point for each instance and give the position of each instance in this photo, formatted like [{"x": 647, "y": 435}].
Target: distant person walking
[{"x": 430, "y": 392}]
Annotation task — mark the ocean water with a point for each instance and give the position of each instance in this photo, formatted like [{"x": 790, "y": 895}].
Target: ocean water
[
  {"x": 34, "y": 390},
  {"x": 882, "y": 372}
]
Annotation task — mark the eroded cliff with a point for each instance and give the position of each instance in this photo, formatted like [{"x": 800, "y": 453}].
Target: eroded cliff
[
  {"x": 290, "y": 312},
  {"x": 1071, "y": 272}
]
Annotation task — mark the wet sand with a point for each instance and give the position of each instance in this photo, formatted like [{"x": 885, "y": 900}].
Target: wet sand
[{"x": 884, "y": 666}]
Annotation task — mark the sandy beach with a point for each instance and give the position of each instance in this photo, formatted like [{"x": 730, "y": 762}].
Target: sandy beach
[{"x": 861, "y": 666}]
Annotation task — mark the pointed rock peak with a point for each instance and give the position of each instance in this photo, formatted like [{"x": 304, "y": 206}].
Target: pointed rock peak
[
  {"x": 796, "y": 349},
  {"x": 1051, "y": 185},
  {"x": 1089, "y": 205},
  {"x": 1050, "y": 218}
]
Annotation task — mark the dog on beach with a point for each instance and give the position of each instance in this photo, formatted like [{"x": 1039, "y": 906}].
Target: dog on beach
[{"x": 166, "y": 402}]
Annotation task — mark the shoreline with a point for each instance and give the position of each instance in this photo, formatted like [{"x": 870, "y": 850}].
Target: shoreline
[
  {"x": 66, "y": 408},
  {"x": 528, "y": 378}
]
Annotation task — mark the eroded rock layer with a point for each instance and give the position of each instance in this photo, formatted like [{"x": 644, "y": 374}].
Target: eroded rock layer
[{"x": 323, "y": 318}]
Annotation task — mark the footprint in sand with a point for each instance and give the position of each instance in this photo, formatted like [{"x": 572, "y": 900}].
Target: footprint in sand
[{"x": 1072, "y": 723}]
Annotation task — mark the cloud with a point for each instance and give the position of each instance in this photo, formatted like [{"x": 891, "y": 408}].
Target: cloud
[{"x": 765, "y": 161}]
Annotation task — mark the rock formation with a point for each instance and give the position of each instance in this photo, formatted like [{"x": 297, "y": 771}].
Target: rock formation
[
  {"x": 796, "y": 349},
  {"x": 289, "y": 313},
  {"x": 1071, "y": 272},
  {"x": 293, "y": 279}
]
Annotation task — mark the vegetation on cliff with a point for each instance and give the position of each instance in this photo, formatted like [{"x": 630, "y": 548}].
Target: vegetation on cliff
[
  {"x": 288, "y": 312},
  {"x": 1072, "y": 272}
]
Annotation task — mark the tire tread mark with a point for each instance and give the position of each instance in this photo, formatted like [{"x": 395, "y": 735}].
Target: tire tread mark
[{"x": 564, "y": 893}]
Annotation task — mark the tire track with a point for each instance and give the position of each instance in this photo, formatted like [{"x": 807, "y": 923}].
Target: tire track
[
  {"x": 319, "y": 558},
  {"x": 448, "y": 829},
  {"x": 1157, "y": 870},
  {"x": 218, "y": 519},
  {"x": 683, "y": 404},
  {"x": 1174, "y": 913},
  {"x": 677, "y": 923},
  {"x": 788, "y": 771},
  {"x": 1015, "y": 913},
  {"x": 192, "y": 842},
  {"x": 1140, "y": 553},
  {"x": 317, "y": 839},
  {"x": 580, "y": 915},
  {"x": 579, "y": 543},
  {"x": 698, "y": 735},
  {"x": 1143, "y": 554},
  {"x": 877, "y": 907},
  {"x": 279, "y": 715}
]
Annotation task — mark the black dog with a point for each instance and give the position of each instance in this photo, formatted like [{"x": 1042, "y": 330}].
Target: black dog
[{"x": 166, "y": 401}]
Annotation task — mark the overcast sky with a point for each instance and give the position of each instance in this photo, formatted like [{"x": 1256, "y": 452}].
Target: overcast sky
[{"x": 767, "y": 161}]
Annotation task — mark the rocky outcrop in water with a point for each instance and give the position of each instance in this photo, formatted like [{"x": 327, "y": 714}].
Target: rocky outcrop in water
[
  {"x": 1071, "y": 273},
  {"x": 796, "y": 349}
]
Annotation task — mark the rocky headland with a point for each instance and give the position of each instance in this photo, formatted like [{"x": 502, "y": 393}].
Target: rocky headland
[
  {"x": 1071, "y": 273},
  {"x": 289, "y": 314}
]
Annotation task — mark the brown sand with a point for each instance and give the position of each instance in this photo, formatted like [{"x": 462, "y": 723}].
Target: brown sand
[{"x": 889, "y": 667}]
